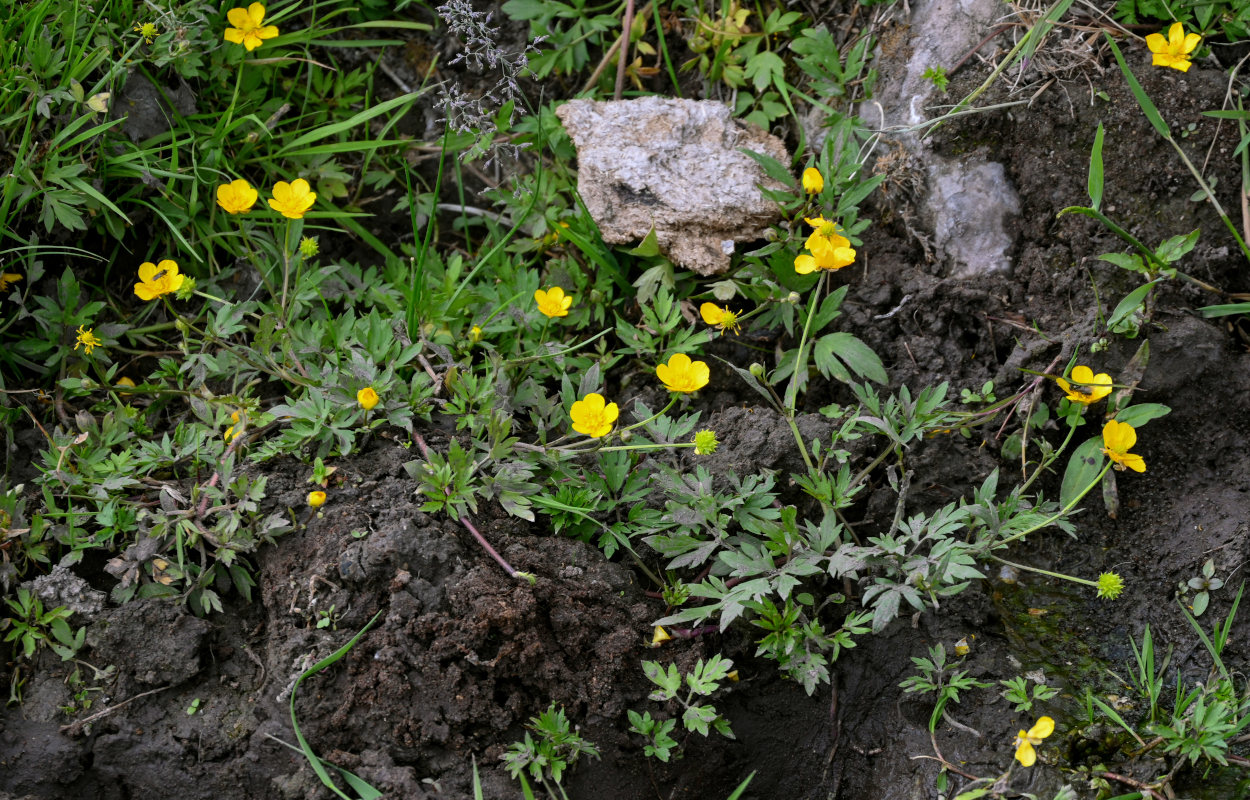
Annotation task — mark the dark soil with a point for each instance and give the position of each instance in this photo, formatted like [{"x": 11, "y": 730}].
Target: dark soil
[{"x": 462, "y": 655}]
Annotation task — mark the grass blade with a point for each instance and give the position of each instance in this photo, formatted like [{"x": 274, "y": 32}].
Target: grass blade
[
  {"x": 1143, "y": 100},
  {"x": 313, "y": 670}
]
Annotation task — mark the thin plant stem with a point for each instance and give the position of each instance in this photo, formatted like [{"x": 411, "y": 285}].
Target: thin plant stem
[
  {"x": 1211, "y": 197},
  {"x": 800, "y": 363},
  {"x": 1046, "y": 572},
  {"x": 1061, "y": 513}
]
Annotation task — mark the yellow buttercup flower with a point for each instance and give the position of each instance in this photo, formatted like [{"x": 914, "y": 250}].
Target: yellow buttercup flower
[
  {"x": 829, "y": 249},
  {"x": 681, "y": 374},
  {"x": 236, "y": 417},
  {"x": 593, "y": 416},
  {"x": 1117, "y": 439},
  {"x": 553, "y": 302},
  {"x": 813, "y": 181},
  {"x": 1173, "y": 51},
  {"x": 236, "y": 197},
  {"x": 659, "y": 636},
  {"x": 722, "y": 318},
  {"x": 317, "y": 499},
  {"x": 1027, "y": 740},
  {"x": 7, "y": 279},
  {"x": 248, "y": 30},
  {"x": 87, "y": 339},
  {"x": 367, "y": 398},
  {"x": 1086, "y": 387},
  {"x": 158, "y": 279},
  {"x": 292, "y": 199}
]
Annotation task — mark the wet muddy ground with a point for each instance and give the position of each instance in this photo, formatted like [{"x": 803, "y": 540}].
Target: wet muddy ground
[{"x": 462, "y": 656}]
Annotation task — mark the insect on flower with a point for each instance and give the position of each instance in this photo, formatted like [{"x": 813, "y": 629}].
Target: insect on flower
[
  {"x": 1086, "y": 387},
  {"x": 160, "y": 279}
]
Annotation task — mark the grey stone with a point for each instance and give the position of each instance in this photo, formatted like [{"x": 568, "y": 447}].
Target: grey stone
[{"x": 675, "y": 166}]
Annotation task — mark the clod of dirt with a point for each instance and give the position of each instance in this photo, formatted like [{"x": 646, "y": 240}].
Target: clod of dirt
[
  {"x": 674, "y": 166},
  {"x": 172, "y": 640},
  {"x": 61, "y": 587},
  {"x": 148, "y": 109}
]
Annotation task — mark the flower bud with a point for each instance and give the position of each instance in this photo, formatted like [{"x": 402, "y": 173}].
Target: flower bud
[{"x": 757, "y": 370}]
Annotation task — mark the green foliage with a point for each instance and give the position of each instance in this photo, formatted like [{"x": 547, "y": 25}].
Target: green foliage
[
  {"x": 1016, "y": 691},
  {"x": 31, "y": 627},
  {"x": 937, "y": 76},
  {"x": 571, "y": 31},
  {"x": 553, "y": 748},
  {"x": 1202, "y": 585},
  {"x": 1231, "y": 17},
  {"x": 687, "y": 692},
  {"x": 941, "y": 679}
]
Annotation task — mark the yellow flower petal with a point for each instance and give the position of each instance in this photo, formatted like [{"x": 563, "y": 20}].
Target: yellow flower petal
[
  {"x": 593, "y": 416},
  {"x": 553, "y": 302},
  {"x": 1176, "y": 37},
  {"x": 813, "y": 181},
  {"x": 711, "y": 313},
  {"x": 1045, "y": 727},
  {"x": 1025, "y": 753},
  {"x": 239, "y": 18},
  {"x": 681, "y": 374},
  {"x": 805, "y": 264}
]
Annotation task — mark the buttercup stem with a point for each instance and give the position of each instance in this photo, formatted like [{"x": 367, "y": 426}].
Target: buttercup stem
[
  {"x": 1024, "y": 486},
  {"x": 1118, "y": 231},
  {"x": 286, "y": 267},
  {"x": 1211, "y": 197},
  {"x": 1046, "y": 572},
  {"x": 792, "y": 393},
  {"x": 672, "y": 400},
  {"x": 1060, "y": 513},
  {"x": 572, "y": 348}
]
